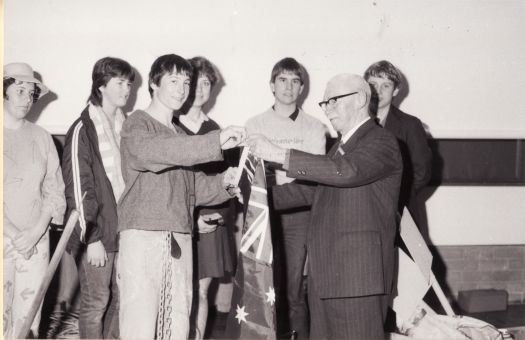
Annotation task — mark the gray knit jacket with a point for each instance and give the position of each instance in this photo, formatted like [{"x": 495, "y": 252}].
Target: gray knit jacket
[{"x": 162, "y": 188}]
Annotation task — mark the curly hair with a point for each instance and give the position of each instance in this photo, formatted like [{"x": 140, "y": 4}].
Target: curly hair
[{"x": 8, "y": 81}]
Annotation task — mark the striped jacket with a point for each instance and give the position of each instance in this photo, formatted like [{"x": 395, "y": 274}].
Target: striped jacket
[{"x": 84, "y": 172}]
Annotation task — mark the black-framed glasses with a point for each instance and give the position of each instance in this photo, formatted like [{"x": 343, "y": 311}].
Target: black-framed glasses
[{"x": 333, "y": 100}]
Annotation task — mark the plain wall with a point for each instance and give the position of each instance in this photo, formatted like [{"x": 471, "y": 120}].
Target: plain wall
[{"x": 463, "y": 61}]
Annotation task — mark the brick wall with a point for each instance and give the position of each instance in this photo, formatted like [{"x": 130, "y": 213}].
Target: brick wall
[{"x": 481, "y": 267}]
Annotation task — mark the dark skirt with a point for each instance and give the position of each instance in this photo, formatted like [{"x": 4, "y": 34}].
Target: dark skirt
[{"x": 214, "y": 255}]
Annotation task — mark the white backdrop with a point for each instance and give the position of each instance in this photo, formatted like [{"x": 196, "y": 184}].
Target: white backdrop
[{"x": 464, "y": 62}]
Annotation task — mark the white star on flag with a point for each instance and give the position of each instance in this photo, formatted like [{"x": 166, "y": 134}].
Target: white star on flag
[
  {"x": 241, "y": 314},
  {"x": 270, "y": 296}
]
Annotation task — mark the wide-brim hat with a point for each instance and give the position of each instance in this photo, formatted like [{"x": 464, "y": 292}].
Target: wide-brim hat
[{"x": 24, "y": 72}]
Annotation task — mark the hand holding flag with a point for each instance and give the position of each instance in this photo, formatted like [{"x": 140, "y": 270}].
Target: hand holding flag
[
  {"x": 230, "y": 177},
  {"x": 232, "y": 136},
  {"x": 230, "y": 181},
  {"x": 261, "y": 147}
]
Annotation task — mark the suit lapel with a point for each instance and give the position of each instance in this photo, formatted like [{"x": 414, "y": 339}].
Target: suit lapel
[
  {"x": 392, "y": 122},
  {"x": 333, "y": 149},
  {"x": 354, "y": 140}
]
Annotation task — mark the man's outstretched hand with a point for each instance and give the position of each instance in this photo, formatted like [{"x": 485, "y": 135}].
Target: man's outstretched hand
[{"x": 261, "y": 147}]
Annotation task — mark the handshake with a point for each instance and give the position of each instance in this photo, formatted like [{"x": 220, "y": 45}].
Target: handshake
[{"x": 260, "y": 146}]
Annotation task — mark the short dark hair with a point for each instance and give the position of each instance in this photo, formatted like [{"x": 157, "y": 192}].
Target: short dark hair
[
  {"x": 203, "y": 67},
  {"x": 288, "y": 65},
  {"x": 10, "y": 81},
  {"x": 384, "y": 69},
  {"x": 105, "y": 69},
  {"x": 167, "y": 64}
]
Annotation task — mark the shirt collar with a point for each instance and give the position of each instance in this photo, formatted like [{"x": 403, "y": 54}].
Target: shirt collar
[
  {"x": 349, "y": 134},
  {"x": 193, "y": 126},
  {"x": 95, "y": 112},
  {"x": 293, "y": 116},
  {"x": 382, "y": 118}
]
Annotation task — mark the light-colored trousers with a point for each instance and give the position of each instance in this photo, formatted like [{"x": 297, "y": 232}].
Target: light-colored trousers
[
  {"x": 142, "y": 255},
  {"x": 22, "y": 278}
]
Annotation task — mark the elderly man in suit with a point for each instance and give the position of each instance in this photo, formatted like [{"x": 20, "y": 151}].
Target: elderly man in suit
[{"x": 353, "y": 192}]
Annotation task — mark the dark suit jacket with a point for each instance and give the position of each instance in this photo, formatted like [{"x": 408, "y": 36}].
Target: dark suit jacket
[
  {"x": 353, "y": 219},
  {"x": 416, "y": 154}
]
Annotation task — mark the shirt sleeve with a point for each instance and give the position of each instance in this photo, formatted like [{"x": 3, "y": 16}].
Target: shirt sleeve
[
  {"x": 80, "y": 183},
  {"x": 293, "y": 195},
  {"x": 374, "y": 159},
  {"x": 148, "y": 150},
  {"x": 53, "y": 185},
  {"x": 209, "y": 190},
  {"x": 420, "y": 155},
  {"x": 318, "y": 140}
]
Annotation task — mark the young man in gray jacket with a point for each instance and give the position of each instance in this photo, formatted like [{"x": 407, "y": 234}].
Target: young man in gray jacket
[{"x": 156, "y": 209}]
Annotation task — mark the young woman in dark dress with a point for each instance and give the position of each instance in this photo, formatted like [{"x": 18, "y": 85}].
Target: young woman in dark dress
[{"x": 213, "y": 255}]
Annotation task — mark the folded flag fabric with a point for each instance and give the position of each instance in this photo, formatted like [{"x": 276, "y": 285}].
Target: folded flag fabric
[{"x": 253, "y": 312}]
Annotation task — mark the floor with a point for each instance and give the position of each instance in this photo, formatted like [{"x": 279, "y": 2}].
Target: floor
[
  {"x": 514, "y": 316},
  {"x": 513, "y": 319}
]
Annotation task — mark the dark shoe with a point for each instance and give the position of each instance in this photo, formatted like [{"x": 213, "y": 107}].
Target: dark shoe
[
  {"x": 292, "y": 335},
  {"x": 220, "y": 321}
]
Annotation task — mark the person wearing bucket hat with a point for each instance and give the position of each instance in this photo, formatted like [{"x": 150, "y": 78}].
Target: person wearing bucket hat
[
  {"x": 91, "y": 164},
  {"x": 33, "y": 196},
  {"x": 24, "y": 72}
]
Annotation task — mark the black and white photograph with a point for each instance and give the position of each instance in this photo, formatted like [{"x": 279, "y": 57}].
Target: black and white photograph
[{"x": 263, "y": 169}]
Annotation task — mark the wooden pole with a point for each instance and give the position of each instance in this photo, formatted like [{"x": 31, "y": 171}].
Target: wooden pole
[
  {"x": 441, "y": 296},
  {"x": 50, "y": 272},
  {"x": 422, "y": 256}
]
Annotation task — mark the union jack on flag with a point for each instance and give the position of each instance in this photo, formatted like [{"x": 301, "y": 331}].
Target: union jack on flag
[{"x": 256, "y": 236}]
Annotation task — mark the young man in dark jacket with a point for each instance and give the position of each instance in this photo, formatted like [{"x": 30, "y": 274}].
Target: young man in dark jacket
[
  {"x": 91, "y": 167},
  {"x": 385, "y": 78}
]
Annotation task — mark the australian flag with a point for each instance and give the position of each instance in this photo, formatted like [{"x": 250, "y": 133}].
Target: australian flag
[{"x": 253, "y": 304}]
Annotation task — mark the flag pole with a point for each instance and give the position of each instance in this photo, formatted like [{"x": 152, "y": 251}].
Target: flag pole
[
  {"x": 50, "y": 272},
  {"x": 244, "y": 155},
  {"x": 422, "y": 256},
  {"x": 441, "y": 296}
]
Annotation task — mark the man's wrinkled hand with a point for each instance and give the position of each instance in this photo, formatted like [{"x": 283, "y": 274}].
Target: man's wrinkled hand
[{"x": 261, "y": 147}]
